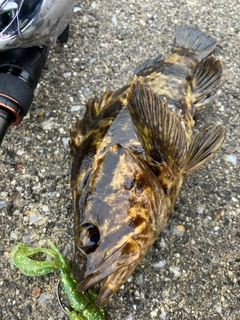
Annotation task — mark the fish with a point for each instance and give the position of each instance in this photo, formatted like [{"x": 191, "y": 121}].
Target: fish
[{"x": 130, "y": 155}]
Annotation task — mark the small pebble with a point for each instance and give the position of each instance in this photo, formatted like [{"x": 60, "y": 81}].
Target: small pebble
[
  {"x": 45, "y": 208},
  {"x": 13, "y": 235},
  {"x": 3, "y": 194},
  {"x": 140, "y": 281},
  {"x": 175, "y": 271},
  {"x": 65, "y": 140},
  {"x": 179, "y": 230},
  {"x": 200, "y": 209},
  {"x": 34, "y": 218},
  {"x": 77, "y": 9},
  {"x": 18, "y": 165},
  {"x": 163, "y": 314},
  {"x": 48, "y": 125},
  {"x": 36, "y": 291},
  {"x": 75, "y": 108},
  {"x": 159, "y": 264},
  {"x": 114, "y": 19},
  {"x": 154, "y": 313},
  {"x": 27, "y": 240},
  {"x": 44, "y": 297},
  {"x": 87, "y": 90},
  {"x": 20, "y": 152},
  {"x": 94, "y": 5},
  {"x": 92, "y": 60},
  {"x": 41, "y": 113},
  {"x": 232, "y": 158},
  {"x": 218, "y": 309},
  {"x": 67, "y": 74},
  {"x": 2, "y": 204},
  {"x": 162, "y": 243},
  {"x": 137, "y": 294}
]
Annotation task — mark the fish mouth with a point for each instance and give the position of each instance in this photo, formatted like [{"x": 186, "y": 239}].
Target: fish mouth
[
  {"x": 113, "y": 270},
  {"x": 108, "y": 287}
]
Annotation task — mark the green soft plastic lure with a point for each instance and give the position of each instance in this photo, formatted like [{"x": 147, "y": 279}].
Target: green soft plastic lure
[{"x": 82, "y": 303}]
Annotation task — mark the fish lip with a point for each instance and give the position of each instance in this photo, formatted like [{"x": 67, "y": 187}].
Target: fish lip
[
  {"x": 108, "y": 287},
  {"x": 102, "y": 270},
  {"x": 114, "y": 269},
  {"x": 90, "y": 280},
  {"x": 106, "y": 291}
]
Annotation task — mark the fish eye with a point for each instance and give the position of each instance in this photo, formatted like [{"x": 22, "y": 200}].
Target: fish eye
[{"x": 89, "y": 237}]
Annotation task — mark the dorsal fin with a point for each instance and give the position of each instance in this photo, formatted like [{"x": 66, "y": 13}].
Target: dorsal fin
[
  {"x": 142, "y": 68},
  {"x": 158, "y": 128},
  {"x": 93, "y": 108},
  {"x": 202, "y": 147}
]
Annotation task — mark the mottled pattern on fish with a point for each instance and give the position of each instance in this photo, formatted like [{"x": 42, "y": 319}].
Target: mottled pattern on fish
[{"x": 131, "y": 153}]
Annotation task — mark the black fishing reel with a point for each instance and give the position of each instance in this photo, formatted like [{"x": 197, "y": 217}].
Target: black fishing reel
[
  {"x": 20, "y": 71},
  {"x": 27, "y": 29}
]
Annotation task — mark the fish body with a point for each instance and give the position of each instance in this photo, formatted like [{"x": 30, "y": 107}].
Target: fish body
[{"x": 131, "y": 153}]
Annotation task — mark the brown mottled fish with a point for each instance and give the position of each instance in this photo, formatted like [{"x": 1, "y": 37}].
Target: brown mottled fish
[{"x": 131, "y": 153}]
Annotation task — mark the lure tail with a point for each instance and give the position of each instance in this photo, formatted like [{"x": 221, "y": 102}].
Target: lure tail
[
  {"x": 194, "y": 40},
  {"x": 82, "y": 302}
]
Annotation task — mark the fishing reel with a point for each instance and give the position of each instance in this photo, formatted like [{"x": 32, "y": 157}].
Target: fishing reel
[{"x": 27, "y": 29}]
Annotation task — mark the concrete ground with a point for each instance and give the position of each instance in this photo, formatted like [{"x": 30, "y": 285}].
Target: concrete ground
[{"x": 192, "y": 274}]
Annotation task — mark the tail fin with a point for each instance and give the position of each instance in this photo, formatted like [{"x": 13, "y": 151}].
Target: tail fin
[{"x": 189, "y": 38}]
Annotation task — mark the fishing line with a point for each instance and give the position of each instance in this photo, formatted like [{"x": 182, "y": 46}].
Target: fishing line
[{"x": 58, "y": 298}]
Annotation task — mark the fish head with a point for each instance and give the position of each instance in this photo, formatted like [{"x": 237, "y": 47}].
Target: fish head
[{"x": 116, "y": 220}]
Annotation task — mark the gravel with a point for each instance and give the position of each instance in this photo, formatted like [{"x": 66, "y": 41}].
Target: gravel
[{"x": 192, "y": 271}]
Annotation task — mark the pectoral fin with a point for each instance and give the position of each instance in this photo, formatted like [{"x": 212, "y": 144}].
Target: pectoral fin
[
  {"x": 206, "y": 78},
  {"x": 158, "y": 128},
  {"x": 203, "y": 146}
]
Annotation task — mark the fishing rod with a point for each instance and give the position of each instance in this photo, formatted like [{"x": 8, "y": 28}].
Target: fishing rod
[{"x": 27, "y": 29}]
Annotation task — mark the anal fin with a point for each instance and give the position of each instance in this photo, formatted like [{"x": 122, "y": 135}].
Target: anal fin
[
  {"x": 203, "y": 146},
  {"x": 206, "y": 78},
  {"x": 157, "y": 127}
]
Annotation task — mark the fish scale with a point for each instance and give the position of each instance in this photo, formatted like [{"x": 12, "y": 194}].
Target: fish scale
[{"x": 131, "y": 153}]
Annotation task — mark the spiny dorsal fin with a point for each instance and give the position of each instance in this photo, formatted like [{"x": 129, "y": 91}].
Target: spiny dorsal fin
[
  {"x": 146, "y": 67},
  {"x": 93, "y": 108},
  {"x": 206, "y": 78},
  {"x": 159, "y": 129},
  {"x": 203, "y": 146}
]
